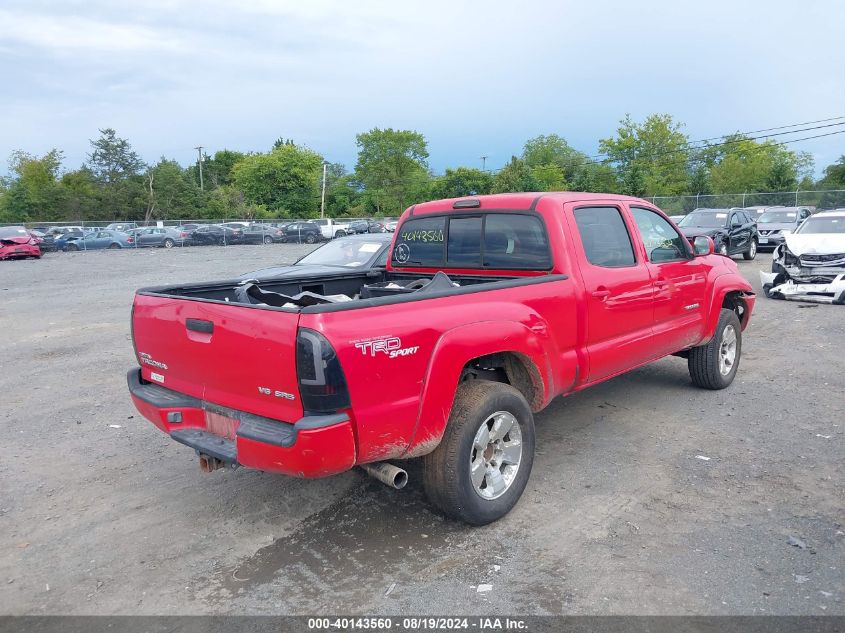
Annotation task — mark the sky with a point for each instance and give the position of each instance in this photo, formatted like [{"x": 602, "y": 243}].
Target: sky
[{"x": 476, "y": 78}]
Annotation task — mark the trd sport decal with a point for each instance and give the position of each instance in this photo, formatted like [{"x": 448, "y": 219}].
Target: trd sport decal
[{"x": 391, "y": 346}]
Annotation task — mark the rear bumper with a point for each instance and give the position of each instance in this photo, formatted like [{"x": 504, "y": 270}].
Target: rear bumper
[{"x": 314, "y": 446}]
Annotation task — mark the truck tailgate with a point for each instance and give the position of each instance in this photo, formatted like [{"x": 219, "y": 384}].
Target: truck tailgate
[{"x": 229, "y": 355}]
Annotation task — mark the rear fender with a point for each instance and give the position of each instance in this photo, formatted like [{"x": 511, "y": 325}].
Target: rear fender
[{"x": 453, "y": 351}]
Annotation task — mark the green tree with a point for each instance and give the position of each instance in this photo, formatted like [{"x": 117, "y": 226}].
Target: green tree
[
  {"x": 392, "y": 167},
  {"x": 33, "y": 192},
  {"x": 285, "y": 180},
  {"x": 597, "y": 178},
  {"x": 743, "y": 165},
  {"x": 544, "y": 151},
  {"x": 515, "y": 176},
  {"x": 462, "y": 181},
  {"x": 79, "y": 195},
  {"x": 171, "y": 192},
  {"x": 834, "y": 175},
  {"x": 216, "y": 170},
  {"x": 651, "y": 157},
  {"x": 117, "y": 170}
]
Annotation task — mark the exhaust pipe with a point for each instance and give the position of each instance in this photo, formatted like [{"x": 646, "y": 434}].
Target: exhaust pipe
[{"x": 388, "y": 474}]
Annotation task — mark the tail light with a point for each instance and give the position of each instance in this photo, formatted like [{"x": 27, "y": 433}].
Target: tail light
[
  {"x": 131, "y": 240},
  {"x": 322, "y": 385},
  {"x": 183, "y": 234}
]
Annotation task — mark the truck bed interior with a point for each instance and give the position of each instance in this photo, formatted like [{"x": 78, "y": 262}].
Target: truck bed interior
[{"x": 345, "y": 290}]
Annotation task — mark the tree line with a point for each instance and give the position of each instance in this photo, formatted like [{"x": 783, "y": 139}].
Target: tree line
[{"x": 647, "y": 158}]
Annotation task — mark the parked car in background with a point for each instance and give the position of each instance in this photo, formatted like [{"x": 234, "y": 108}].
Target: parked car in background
[
  {"x": 366, "y": 226},
  {"x": 97, "y": 240},
  {"x": 217, "y": 234},
  {"x": 733, "y": 231},
  {"x": 332, "y": 228},
  {"x": 773, "y": 224},
  {"x": 390, "y": 227},
  {"x": 810, "y": 264},
  {"x": 235, "y": 225},
  {"x": 121, "y": 226},
  {"x": 677, "y": 218},
  {"x": 307, "y": 232},
  {"x": 352, "y": 252},
  {"x": 160, "y": 236},
  {"x": 45, "y": 241},
  {"x": 189, "y": 227},
  {"x": 17, "y": 243},
  {"x": 263, "y": 234}
]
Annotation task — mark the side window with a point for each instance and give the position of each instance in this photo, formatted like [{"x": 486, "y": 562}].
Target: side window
[
  {"x": 605, "y": 237},
  {"x": 103, "y": 234},
  {"x": 464, "y": 245},
  {"x": 381, "y": 262},
  {"x": 662, "y": 242},
  {"x": 735, "y": 220},
  {"x": 515, "y": 241},
  {"x": 420, "y": 242}
]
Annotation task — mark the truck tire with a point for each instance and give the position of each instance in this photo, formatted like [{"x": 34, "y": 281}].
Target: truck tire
[
  {"x": 714, "y": 365},
  {"x": 751, "y": 253},
  {"x": 480, "y": 468},
  {"x": 340, "y": 233}
]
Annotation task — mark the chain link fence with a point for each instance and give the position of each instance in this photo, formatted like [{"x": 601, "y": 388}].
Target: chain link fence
[{"x": 816, "y": 200}]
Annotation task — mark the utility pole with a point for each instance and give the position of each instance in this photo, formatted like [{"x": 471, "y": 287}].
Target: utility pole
[
  {"x": 199, "y": 162},
  {"x": 484, "y": 163},
  {"x": 323, "y": 194}
]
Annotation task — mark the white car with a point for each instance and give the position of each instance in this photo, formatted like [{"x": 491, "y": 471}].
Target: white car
[
  {"x": 810, "y": 264},
  {"x": 331, "y": 228}
]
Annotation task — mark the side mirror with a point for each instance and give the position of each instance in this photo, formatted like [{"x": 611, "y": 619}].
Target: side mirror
[{"x": 703, "y": 245}]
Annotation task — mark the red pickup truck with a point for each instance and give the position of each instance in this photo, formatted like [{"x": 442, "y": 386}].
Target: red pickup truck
[{"x": 489, "y": 308}]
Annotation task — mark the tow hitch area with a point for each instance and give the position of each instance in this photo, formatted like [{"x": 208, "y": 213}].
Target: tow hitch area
[
  {"x": 209, "y": 464},
  {"x": 832, "y": 292}
]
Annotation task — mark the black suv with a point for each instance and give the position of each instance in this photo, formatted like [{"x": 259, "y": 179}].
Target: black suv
[{"x": 733, "y": 231}]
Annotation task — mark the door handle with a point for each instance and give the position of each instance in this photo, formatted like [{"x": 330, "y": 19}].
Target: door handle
[
  {"x": 601, "y": 294},
  {"x": 199, "y": 325},
  {"x": 660, "y": 283}
]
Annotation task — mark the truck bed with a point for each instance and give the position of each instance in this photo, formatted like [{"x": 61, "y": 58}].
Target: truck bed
[{"x": 344, "y": 290}]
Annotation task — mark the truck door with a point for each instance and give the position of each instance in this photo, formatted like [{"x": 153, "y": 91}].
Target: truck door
[
  {"x": 618, "y": 291},
  {"x": 679, "y": 282}
]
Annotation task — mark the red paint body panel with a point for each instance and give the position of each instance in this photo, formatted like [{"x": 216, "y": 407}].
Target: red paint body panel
[
  {"x": 23, "y": 246},
  {"x": 402, "y": 361}
]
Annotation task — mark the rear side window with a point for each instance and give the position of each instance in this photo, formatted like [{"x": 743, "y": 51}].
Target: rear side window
[
  {"x": 604, "y": 236},
  {"x": 421, "y": 242}
]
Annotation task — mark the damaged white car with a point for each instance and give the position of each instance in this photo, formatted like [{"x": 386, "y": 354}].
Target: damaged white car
[{"x": 810, "y": 264}]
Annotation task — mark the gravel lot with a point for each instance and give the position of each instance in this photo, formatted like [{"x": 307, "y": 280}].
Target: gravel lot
[{"x": 100, "y": 513}]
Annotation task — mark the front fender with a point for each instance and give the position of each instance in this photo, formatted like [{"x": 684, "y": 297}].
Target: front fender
[
  {"x": 722, "y": 286},
  {"x": 453, "y": 350}
]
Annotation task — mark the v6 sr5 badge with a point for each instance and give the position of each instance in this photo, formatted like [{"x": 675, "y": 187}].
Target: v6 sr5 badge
[{"x": 390, "y": 346}]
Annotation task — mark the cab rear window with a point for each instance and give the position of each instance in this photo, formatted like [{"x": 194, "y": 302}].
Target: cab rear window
[{"x": 489, "y": 240}]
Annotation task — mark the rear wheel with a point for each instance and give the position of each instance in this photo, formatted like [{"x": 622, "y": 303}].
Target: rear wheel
[
  {"x": 268, "y": 239},
  {"x": 751, "y": 253},
  {"x": 114, "y": 246},
  {"x": 714, "y": 365},
  {"x": 481, "y": 467},
  {"x": 340, "y": 233},
  {"x": 168, "y": 243},
  {"x": 310, "y": 238}
]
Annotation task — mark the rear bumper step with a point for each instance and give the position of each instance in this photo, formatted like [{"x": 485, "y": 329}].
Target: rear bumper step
[
  {"x": 314, "y": 446},
  {"x": 208, "y": 444}
]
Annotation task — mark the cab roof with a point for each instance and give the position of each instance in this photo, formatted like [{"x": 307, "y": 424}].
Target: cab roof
[{"x": 514, "y": 201}]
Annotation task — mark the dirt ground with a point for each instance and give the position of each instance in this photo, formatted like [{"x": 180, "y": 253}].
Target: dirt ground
[{"x": 101, "y": 513}]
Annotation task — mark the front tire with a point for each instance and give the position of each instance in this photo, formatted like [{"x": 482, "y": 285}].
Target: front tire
[
  {"x": 481, "y": 467},
  {"x": 723, "y": 249},
  {"x": 751, "y": 253},
  {"x": 71, "y": 247},
  {"x": 714, "y": 365}
]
